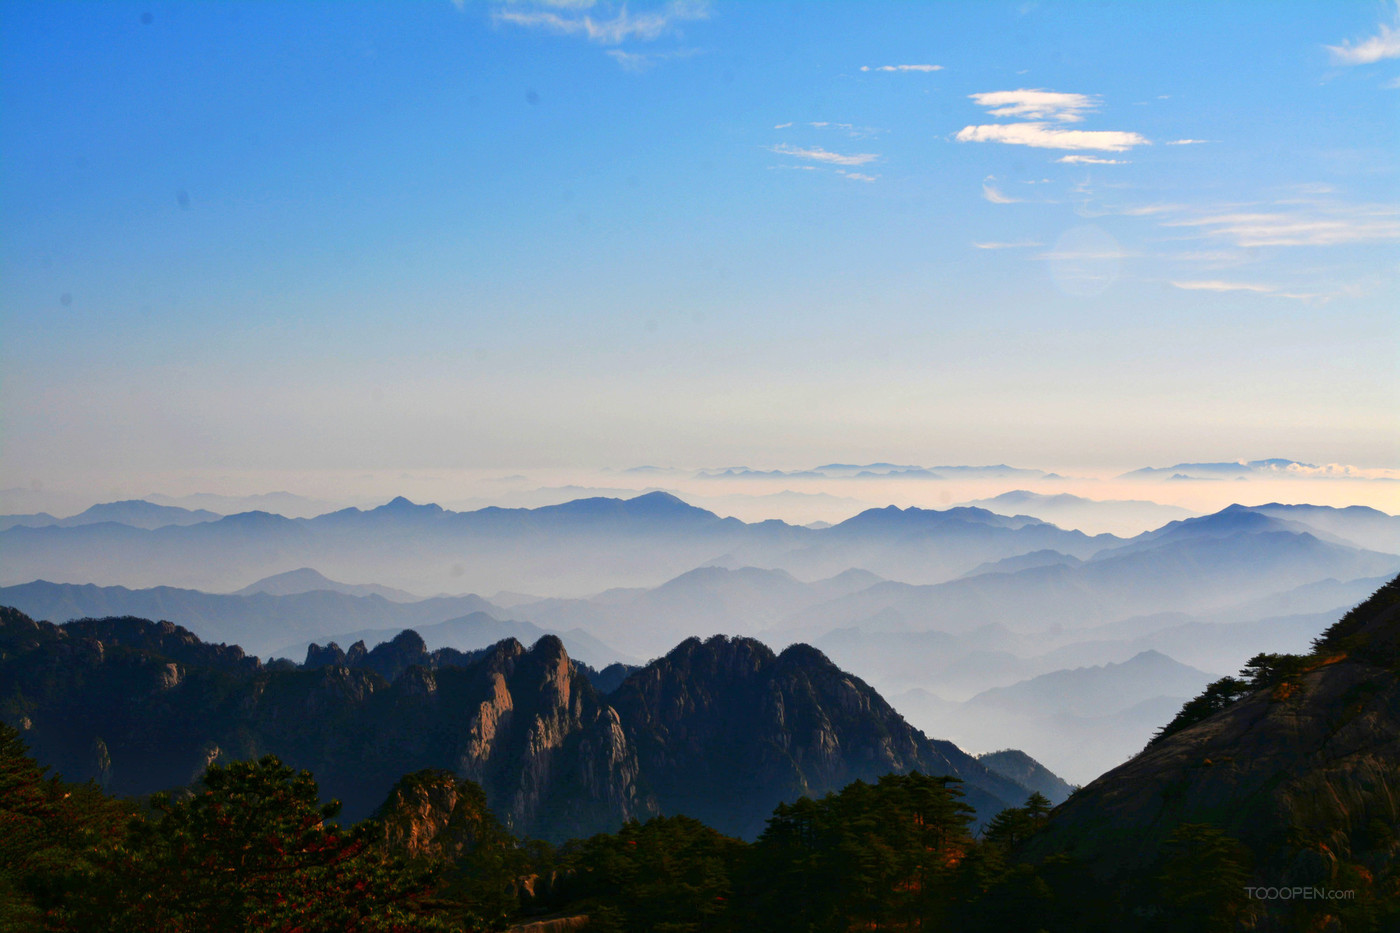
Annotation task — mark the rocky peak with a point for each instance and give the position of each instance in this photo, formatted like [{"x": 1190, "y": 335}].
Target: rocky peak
[
  {"x": 436, "y": 815},
  {"x": 318, "y": 657},
  {"x": 392, "y": 658}
]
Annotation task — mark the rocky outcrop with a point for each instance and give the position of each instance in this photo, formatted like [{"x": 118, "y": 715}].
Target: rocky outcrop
[
  {"x": 436, "y": 816},
  {"x": 720, "y": 730}
]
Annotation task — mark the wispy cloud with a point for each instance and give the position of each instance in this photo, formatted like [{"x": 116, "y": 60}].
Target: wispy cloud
[
  {"x": 993, "y": 194},
  {"x": 1090, "y": 160},
  {"x": 611, "y": 30},
  {"x": 642, "y": 61},
  {"x": 1384, "y": 44},
  {"x": 857, "y": 176},
  {"x": 924, "y": 68},
  {"x": 1044, "y": 136},
  {"x": 850, "y": 129},
  {"x": 1187, "y": 142},
  {"x": 1218, "y": 286},
  {"x": 1037, "y": 104},
  {"x": 818, "y": 154},
  {"x": 1325, "y": 225},
  {"x": 782, "y": 126},
  {"x": 1023, "y": 244}
]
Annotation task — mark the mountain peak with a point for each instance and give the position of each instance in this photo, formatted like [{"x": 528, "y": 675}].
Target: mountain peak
[{"x": 402, "y": 505}]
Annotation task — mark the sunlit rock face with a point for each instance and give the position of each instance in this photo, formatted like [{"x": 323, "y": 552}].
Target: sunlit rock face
[{"x": 722, "y": 730}]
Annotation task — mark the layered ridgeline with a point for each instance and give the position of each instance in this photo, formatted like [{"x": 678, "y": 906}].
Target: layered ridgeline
[{"x": 722, "y": 730}]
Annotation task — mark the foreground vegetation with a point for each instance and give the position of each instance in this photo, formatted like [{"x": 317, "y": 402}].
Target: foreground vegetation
[{"x": 252, "y": 848}]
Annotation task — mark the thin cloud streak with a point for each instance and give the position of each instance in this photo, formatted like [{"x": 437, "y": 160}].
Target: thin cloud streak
[
  {"x": 923, "y": 68},
  {"x": 1044, "y": 136},
  {"x": 818, "y": 154},
  {"x": 643, "y": 61},
  {"x": 1218, "y": 286},
  {"x": 1331, "y": 228},
  {"x": 1090, "y": 160},
  {"x": 1025, "y": 244},
  {"x": 1214, "y": 285},
  {"x": 644, "y": 27}
]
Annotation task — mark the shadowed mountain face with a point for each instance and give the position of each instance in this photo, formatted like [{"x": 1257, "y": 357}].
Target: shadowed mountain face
[
  {"x": 722, "y": 729},
  {"x": 1304, "y": 771},
  {"x": 772, "y": 728},
  {"x": 1025, "y": 770}
]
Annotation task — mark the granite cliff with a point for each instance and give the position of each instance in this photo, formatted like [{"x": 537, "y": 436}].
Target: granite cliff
[{"x": 721, "y": 730}]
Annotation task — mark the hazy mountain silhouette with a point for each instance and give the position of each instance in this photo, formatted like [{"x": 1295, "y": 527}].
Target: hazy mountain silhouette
[
  {"x": 307, "y": 580},
  {"x": 1119, "y": 516},
  {"x": 261, "y": 622},
  {"x": 136, "y": 513}
]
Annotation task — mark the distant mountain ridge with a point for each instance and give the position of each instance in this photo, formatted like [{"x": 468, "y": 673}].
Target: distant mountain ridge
[
  {"x": 722, "y": 728},
  {"x": 307, "y": 580},
  {"x": 136, "y": 513}
]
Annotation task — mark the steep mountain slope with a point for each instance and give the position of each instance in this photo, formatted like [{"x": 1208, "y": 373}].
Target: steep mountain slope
[
  {"x": 1025, "y": 770},
  {"x": 723, "y": 728},
  {"x": 773, "y": 728},
  {"x": 1303, "y": 769}
]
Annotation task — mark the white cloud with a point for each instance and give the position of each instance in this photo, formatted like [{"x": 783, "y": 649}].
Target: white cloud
[
  {"x": 1044, "y": 136},
  {"x": 1392, "y": 85},
  {"x": 1090, "y": 160},
  {"x": 1384, "y": 44},
  {"x": 1187, "y": 142},
  {"x": 1217, "y": 286},
  {"x": 608, "y": 31},
  {"x": 991, "y": 193},
  {"x": 858, "y": 176},
  {"x": 1024, "y": 244},
  {"x": 923, "y": 68},
  {"x": 818, "y": 154},
  {"x": 1328, "y": 225},
  {"x": 1037, "y": 104},
  {"x": 1272, "y": 291}
]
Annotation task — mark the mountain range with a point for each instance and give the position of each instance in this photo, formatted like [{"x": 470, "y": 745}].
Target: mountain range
[{"x": 722, "y": 729}]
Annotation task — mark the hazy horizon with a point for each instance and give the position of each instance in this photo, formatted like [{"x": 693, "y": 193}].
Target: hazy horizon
[
  {"x": 801, "y": 496},
  {"x": 385, "y": 249}
]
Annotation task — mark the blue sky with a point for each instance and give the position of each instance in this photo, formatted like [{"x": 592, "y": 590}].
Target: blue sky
[{"x": 320, "y": 236}]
